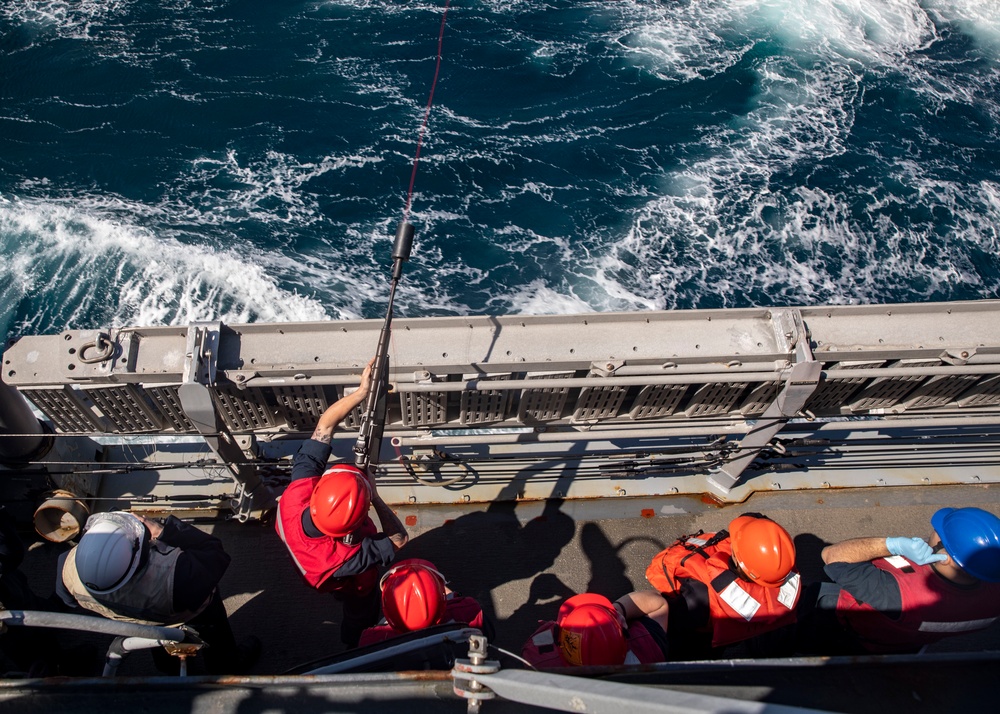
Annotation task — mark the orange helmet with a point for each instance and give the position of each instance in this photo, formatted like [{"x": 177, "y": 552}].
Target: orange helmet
[
  {"x": 589, "y": 632},
  {"x": 413, "y": 595},
  {"x": 340, "y": 501},
  {"x": 762, "y": 549}
]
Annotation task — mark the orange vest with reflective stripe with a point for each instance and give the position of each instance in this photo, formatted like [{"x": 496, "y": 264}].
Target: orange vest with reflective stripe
[{"x": 738, "y": 609}]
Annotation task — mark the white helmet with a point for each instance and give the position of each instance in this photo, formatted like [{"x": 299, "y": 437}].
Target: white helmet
[{"x": 110, "y": 551}]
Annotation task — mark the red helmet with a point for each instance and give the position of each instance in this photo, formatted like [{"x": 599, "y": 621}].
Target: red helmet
[
  {"x": 589, "y": 631},
  {"x": 762, "y": 549},
  {"x": 340, "y": 501},
  {"x": 413, "y": 595}
]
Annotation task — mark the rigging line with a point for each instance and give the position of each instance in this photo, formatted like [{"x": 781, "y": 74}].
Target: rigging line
[{"x": 427, "y": 113}]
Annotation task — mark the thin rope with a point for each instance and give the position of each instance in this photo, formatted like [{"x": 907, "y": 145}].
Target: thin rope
[
  {"x": 511, "y": 654},
  {"x": 427, "y": 113}
]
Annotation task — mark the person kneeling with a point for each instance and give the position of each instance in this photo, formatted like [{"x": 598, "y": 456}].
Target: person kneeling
[
  {"x": 590, "y": 630},
  {"x": 415, "y": 595}
]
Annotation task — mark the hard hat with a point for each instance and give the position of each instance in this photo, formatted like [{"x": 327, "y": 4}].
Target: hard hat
[
  {"x": 762, "y": 550},
  {"x": 972, "y": 538},
  {"x": 589, "y": 631},
  {"x": 413, "y": 595},
  {"x": 340, "y": 501},
  {"x": 110, "y": 551}
]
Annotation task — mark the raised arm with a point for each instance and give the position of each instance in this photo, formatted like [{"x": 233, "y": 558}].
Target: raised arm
[{"x": 339, "y": 410}]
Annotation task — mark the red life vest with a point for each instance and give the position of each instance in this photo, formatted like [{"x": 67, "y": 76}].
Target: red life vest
[
  {"x": 463, "y": 610},
  {"x": 543, "y": 652},
  {"x": 319, "y": 558},
  {"x": 932, "y": 608},
  {"x": 738, "y": 609}
]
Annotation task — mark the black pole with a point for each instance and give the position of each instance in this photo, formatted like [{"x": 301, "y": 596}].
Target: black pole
[{"x": 369, "y": 443}]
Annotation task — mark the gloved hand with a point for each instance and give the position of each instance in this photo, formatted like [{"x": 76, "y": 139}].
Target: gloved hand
[{"x": 914, "y": 550}]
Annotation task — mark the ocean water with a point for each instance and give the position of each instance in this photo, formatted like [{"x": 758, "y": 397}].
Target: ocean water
[{"x": 175, "y": 160}]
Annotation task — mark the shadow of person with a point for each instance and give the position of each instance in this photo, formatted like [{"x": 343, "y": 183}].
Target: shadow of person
[
  {"x": 546, "y": 594},
  {"x": 267, "y": 596},
  {"x": 485, "y": 553},
  {"x": 607, "y": 568},
  {"x": 808, "y": 557}
]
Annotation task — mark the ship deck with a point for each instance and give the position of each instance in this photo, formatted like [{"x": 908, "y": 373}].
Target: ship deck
[{"x": 520, "y": 560}]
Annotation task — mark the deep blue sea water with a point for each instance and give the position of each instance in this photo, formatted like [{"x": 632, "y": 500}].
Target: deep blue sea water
[{"x": 246, "y": 160}]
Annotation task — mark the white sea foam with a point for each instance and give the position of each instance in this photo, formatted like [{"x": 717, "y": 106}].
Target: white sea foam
[
  {"x": 124, "y": 273},
  {"x": 267, "y": 189},
  {"x": 71, "y": 18},
  {"x": 980, "y": 19},
  {"x": 537, "y": 298},
  {"x": 737, "y": 214},
  {"x": 719, "y": 230}
]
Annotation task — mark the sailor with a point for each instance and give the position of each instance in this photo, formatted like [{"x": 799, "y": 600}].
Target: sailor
[
  {"x": 135, "y": 569},
  {"x": 590, "y": 630},
  {"x": 415, "y": 595},
  {"x": 898, "y": 594},
  {"x": 727, "y": 587},
  {"x": 323, "y": 520}
]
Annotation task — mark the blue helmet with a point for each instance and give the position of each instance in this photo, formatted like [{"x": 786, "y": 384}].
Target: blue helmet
[{"x": 972, "y": 538}]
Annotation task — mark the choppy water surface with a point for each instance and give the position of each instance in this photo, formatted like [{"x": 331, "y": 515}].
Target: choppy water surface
[{"x": 168, "y": 161}]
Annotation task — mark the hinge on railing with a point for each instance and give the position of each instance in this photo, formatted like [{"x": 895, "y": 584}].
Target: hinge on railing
[
  {"x": 957, "y": 357},
  {"x": 801, "y": 380},
  {"x": 195, "y": 395}
]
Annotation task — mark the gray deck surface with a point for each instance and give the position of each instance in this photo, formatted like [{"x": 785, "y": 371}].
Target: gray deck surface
[{"x": 521, "y": 561}]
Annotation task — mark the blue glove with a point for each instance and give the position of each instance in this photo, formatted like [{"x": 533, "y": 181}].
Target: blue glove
[{"x": 915, "y": 550}]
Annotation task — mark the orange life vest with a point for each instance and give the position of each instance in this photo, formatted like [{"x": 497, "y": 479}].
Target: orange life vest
[{"x": 738, "y": 609}]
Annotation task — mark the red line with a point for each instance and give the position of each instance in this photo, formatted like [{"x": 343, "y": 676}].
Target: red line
[{"x": 427, "y": 113}]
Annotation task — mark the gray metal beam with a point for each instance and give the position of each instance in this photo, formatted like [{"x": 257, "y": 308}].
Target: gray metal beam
[
  {"x": 594, "y": 696},
  {"x": 253, "y": 496},
  {"x": 799, "y": 385}
]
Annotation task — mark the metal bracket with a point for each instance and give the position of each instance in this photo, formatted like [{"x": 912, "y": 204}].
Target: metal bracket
[
  {"x": 242, "y": 503},
  {"x": 800, "y": 383},
  {"x": 606, "y": 368},
  {"x": 202, "y": 353},
  {"x": 787, "y": 326},
  {"x": 195, "y": 395},
  {"x": 958, "y": 357},
  {"x": 465, "y": 670}
]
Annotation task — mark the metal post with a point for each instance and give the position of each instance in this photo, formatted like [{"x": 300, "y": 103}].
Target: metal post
[
  {"x": 803, "y": 378},
  {"x": 468, "y": 674},
  {"x": 22, "y": 436},
  {"x": 253, "y": 496}
]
